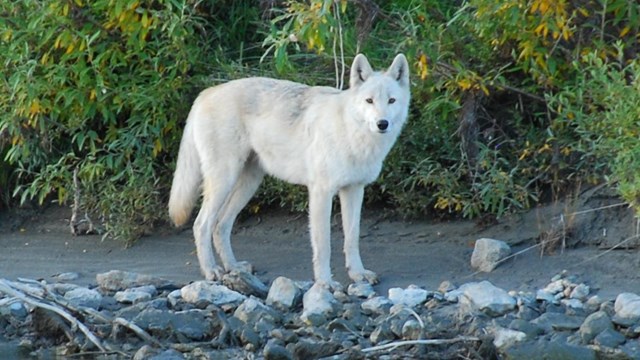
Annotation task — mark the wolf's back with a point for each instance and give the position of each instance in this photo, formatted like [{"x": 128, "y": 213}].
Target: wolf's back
[{"x": 186, "y": 179}]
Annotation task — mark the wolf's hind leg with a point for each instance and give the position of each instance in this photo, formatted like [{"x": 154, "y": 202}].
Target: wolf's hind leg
[
  {"x": 218, "y": 182},
  {"x": 243, "y": 190}
]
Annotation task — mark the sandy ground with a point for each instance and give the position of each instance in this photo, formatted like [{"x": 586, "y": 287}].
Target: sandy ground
[{"x": 423, "y": 253}]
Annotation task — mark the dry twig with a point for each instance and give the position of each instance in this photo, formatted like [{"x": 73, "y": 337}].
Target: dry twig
[
  {"x": 7, "y": 288},
  {"x": 139, "y": 331},
  {"x": 392, "y": 346}
]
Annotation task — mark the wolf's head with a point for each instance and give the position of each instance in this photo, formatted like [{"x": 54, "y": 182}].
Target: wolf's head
[{"x": 381, "y": 98}]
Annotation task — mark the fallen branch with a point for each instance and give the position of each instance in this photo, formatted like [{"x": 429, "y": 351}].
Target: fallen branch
[
  {"x": 139, "y": 331},
  {"x": 394, "y": 345},
  {"x": 7, "y": 288}
]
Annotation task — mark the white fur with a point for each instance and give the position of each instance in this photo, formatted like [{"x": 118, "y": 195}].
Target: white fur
[{"x": 326, "y": 139}]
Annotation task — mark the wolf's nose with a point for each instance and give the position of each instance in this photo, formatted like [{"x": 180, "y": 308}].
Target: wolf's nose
[{"x": 382, "y": 125}]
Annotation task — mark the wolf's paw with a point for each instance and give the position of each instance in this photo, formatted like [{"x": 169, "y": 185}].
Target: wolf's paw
[
  {"x": 331, "y": 285},
  {"x": 364, "y": 275},
  {"x": 214, "y": 274},
  {"x": 241, "y": 266}
]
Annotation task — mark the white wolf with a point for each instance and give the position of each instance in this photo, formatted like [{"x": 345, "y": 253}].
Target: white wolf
[{"x": 330, "y": 140}]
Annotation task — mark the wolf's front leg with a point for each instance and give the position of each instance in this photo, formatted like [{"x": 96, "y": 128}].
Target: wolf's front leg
[
  {"x": 320, "y": 227},
  {"x": 351, "y": 206}
]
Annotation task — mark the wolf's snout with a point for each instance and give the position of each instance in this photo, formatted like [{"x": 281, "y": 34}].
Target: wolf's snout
[{"x": 382, "y": 125}]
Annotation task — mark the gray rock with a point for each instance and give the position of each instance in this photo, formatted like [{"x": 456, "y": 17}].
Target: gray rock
[
  {"x": 593, "y": 303},
  {"x": 136, "y": 295},
  {"x": 194, "y": 324},
  {"x": 627, "y": 305},
  {"x": 555, "y": 287},
  {"x": 503, "y": 338},
  {"x": 412, "y": 330},
  {"x": 580, "y": 292},
  {"x": 609, "y": 338},
  {"x": 531, "y": 330},
  {"x": 66, "y": 276},
  {"x": 487, "y": 254},
  {"x": 361, "y": 289},
  {"x": 446, "y": 286},
  {"x": 116, "y": 280},
  {"x": 547, "y": 350},
  {"x": 191, "y": 323},
  {"x": 630, "y": 349},
  {"x": 593, "y": 325},
  {"x": 314, "y": 349},
  {"x": 168, "y": 355},
  {"x": 318, "y": 303},
  {"x": 209, "y": 292},
  {"x": 18, "y": 310},
  {"x": 411, "y": 296},
  {"x": 245, "y": 283},
  {"x": 454, "y": 295},
  {"x": 145, "y": 352},
  {"x": 284, "y": 294},
  {"x": 627, "y": 322},
  {"x": 572, "y": 303},
  {"x": 252, "y": 310},
  {"x": 174, "y": 297},
  {"x": 543, "y": 295},
  {"x": 381, "y": 334},
  {"x": 84, "y": 297},
  {"x": 250, "y": 339},
  {"x": 484, "y": 296},
  {"x": 275, "y": 351},
  {"x": 556, "y": 321},
  {"x": 378, "y": 305}
]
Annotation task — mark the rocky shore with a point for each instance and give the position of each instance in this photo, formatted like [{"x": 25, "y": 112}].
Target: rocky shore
[{"x": 129, "y": 315}]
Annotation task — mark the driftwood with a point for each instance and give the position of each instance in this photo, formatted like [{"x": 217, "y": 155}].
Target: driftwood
[
  {"x": 35, "y": 294},
  {"x": 139, "y": 331},
  {"x": 7, "y": 288},
  {"x": 393, "y": 345}
]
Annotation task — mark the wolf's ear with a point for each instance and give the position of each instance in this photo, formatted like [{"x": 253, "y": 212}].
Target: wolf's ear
[
  {"x": 399, "y": 70},
  {"x": 360, "y": 71}
]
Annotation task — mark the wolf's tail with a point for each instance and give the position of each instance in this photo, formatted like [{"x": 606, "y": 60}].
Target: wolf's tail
[{"x": 186, "y": 179}]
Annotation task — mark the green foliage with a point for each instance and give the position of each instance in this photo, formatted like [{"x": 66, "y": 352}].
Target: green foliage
[
  {"x": 601, "y": 108},
  {"x": 100, "y": 87}
]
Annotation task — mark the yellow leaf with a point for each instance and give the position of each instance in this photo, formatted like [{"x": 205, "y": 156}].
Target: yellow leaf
[
  {"x": 422, "y": 66},
  {"x": 544, "y": 148},
  {"x": 464, "y": 84},
  {"x": 7, "y": 35},
  {"x": 35, "y": 107},
  {"x": 145, "y": 20},
  {"x": 523, "y": 155},
  {"x": 624, "y": 31},
  {"x": 17, "y": 139},
  {"x": 157, "y": 147},
  {"x": 92, "y": 94}
]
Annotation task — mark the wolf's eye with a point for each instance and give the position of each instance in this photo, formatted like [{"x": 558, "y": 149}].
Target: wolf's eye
[
  {"x": 369, "y": 100},
  {"x": 392, "y": 100}
]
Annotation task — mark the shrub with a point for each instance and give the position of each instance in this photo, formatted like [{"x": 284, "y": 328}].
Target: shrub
[{"x": 100, "y": 87}]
